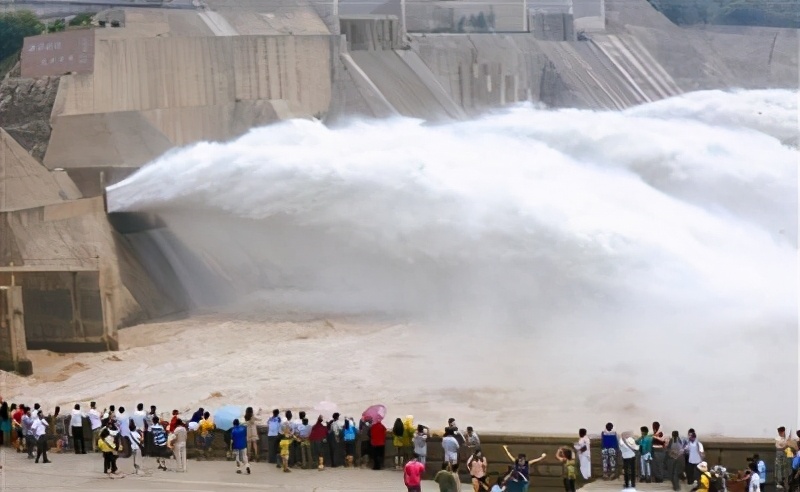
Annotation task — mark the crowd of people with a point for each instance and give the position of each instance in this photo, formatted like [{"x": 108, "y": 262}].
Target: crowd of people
[{"x": 296, "y": 443}]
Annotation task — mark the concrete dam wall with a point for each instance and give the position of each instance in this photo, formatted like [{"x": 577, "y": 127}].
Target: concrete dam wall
[{"x": 170, "y": 78}]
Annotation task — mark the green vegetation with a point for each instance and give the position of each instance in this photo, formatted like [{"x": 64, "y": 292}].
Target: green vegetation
[
  {"x": 773, "y": 13},
  {"x": 81, "y": 20},
  {"x": 57, "y": 25},
  {"x": 14, "y": 27}
]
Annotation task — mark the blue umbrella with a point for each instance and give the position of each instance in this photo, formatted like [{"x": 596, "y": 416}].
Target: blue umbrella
[{"x": 223, "y": 417}]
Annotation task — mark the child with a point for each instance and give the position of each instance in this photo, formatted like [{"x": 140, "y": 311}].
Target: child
[
  {"x": 609, "y": 442},
  {"x": 645, "y": 454},
  {"x": 564, "y": 455},
  {"x": 286, "y": 442},
  {"x": 108, "y": 446},
  {"x": 421, "y": 443},
  {"x": 500, "y": 486}
]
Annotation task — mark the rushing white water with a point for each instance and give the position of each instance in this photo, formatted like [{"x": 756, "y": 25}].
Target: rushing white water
[{"x": 668, "y": 232}]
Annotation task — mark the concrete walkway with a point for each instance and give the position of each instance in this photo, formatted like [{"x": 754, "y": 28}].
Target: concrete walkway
[{"x": 84, "y": 472}]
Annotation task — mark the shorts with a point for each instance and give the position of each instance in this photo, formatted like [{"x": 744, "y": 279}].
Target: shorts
[
  {"x": 480, "y": 479},
  {"x": 451, "y": 458},
  {"x": 414, "y": 488},
  {"x": 161, "y": 452}
]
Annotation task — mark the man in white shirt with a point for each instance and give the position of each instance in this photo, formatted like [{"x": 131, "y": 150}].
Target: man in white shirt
[
  {"x": 76, "y": 424},
  {"x": 123, "y": 422},
  {"x": 39, "y": 429},
  {"x": 273, "y": 433},
  {"x": 97, "y": 424},
  {"x": 696, "y": 454},
  {"x": 139, "y": 417}
]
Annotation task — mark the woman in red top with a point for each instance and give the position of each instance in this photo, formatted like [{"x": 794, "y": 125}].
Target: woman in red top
[
  {"x": 319, "y": 433},
  {"x": 377, "y": 438}
]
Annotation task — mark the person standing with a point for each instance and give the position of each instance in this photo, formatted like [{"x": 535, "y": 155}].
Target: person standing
[
  {"x": 628, "y": 448},
  {"x": 450, "y": 447},
  {"x": 377, "y": 440},
  {"x": 305, "y": 445},
  {"x": 569, "y": 473},
  {"x": 160, "y": 448},
  {"x": 412, "y": 475},
  {"x": 27, "y": 428},
  {"x": 61, "y": 423},
  {"x": 659, "y": 452},
  {"x": 239, "y": 444},
  {"x": 421, "y": 444},
  {"x": 206, "y": 430},
  {"x": 179, "y": 438},
  {"x": 137, "y": 442},
  {"x": 675, "y": 460},
  {"x": 317, "y": 438},
  {"x": 477, "y": 466},
  {"x": 251, "y": 422},
  {"x": 5, "y": 424},
  {"x": 40, "y": 433},
  {"x": 286, "y": 442},
  {"x": 76, "y": 423},
  {"x": 609, "y": 442},
  {"x": 519, "y": 478},
  {"x": 761, "y": 469},
  {"x": 754, "y": 484},
  {"x": 96, "y": 423},
  {"x": 782, "y": 464},
  {"x": 334, "y": 440},
  {"x": 645, "y": 443},
  {"x": 472, "y": 440},
  {"x": 16, "y": 423},
  {"x": 584, "y": 453},
  {"x": 108, "y": 446},
  {"x": 696, "y": 455},
  {"x": 364, "y": 448},
  {"x": 273, "y": 435},
  {"x": 349, "y": 435}
]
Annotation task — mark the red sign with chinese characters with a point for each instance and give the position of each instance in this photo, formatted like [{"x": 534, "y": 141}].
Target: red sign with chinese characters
[{"x": 58, "y": 53}]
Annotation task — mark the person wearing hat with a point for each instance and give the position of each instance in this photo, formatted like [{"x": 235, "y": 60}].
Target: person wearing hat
[
  {"x": 628, "y": 448},
  {"x": 704, "y": 482}
]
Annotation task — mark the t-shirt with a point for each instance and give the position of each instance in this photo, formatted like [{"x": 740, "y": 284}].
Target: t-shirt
[
  {"x": 762, "y": 471},
  {"x": 569, "y": 470},
  {"x": 412, "y": 473},
  {"x": 273, "y": 426},
  {"x": 239, "y": 437},
  {"x": 695, "y": 452},
  {"x": 755, "y": 483},
  {"x": 377, "y": 434},
  {"x": 447, "y": 481},
  {"x": 421, "y": 444},
  {"x": 206, "y": 426},
  {"x": 94, "y": 418},
  {"x": 285, "y": 442},
  {"x": 138, "y": 419},
  {"x": 450, "y": 445},
  {"x": 646, "y": 444}
]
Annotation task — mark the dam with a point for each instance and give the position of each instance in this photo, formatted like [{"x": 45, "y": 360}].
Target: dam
[{"x": 223, "y": 156}]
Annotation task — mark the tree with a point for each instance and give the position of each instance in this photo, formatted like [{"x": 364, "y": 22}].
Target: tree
[
  {"x": 82, "y": 20},
  {"x": 57, "y": 26},
  {"x": 14, "y": 27}
]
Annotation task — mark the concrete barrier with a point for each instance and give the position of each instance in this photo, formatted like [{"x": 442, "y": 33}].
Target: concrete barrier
[{"x": 731, "y": 453}]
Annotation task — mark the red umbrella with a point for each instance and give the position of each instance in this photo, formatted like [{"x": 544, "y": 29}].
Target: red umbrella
[{"x": 375, "y": 413}]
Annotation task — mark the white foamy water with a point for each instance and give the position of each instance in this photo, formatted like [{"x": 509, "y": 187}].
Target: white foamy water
[{"x": 656, "y": 246}]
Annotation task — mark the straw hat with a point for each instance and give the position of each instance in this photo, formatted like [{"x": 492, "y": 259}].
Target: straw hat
[{"x": 703, "y": 467}]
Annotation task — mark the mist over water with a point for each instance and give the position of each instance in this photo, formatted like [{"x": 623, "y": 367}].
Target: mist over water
[{"x": 657, "y": 244}]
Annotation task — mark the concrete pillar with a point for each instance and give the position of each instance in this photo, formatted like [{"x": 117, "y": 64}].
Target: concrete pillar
[{"x": 13, "y": 349}]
